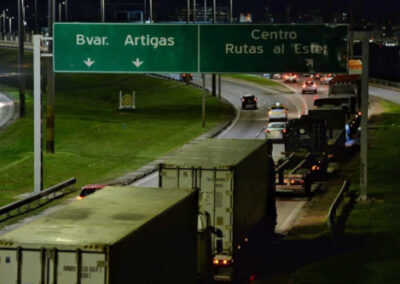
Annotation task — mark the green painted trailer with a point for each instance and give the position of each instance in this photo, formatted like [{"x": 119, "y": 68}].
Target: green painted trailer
[
  {"x": 118, "y": 235},
  {"x": 236, "y": 179}
]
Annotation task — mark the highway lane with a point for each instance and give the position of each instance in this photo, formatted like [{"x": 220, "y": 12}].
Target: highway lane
[
  {"x": 250, "y": 125},
  {"x": 383, "y": 93},
  {"x": 6, "y": 109}
]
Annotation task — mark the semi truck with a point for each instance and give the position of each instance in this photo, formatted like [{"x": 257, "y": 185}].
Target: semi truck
[
  {"x": 118, "y": 235},
  {"x": 236, "y": 183},
  {"x": 305, "y": 160}
]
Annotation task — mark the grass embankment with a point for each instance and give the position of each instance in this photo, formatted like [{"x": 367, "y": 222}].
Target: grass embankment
[
  {"x": 369, "y": 249},
  {"x": 261, "y": 81},
  {"x": 95, "y": 142}
]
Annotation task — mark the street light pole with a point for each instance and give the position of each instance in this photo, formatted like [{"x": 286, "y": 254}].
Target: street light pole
[
  {"x": 194, "y": 11},
  {"x": 151, "y": 11},
  {"x": 50, "y": 96},
  {"x": 205, "y": 11},
  {"x": 188, "y": 11},
  {"x": 103, "y": 15},
  {"x": 66, "y": 10},
  {"x": 364, "y": 118},
  {"x": 21, "y": 39},
  {"x": 36, "y": 18},
  {"x": 213, "y": 79},
  {"x": 59, "y": 12},
  {"x": 10, "y": 26},
  {"x": 230, "y": 11}
]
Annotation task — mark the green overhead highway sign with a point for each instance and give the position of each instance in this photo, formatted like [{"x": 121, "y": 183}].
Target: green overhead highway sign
[
  {"x": 158, "y": 48},
  {"x": 273, "y": 48},
  {"x": 125, "y": 48}
]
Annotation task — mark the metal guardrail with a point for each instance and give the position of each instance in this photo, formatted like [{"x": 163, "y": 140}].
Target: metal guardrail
[
  {"x": 332, "y": 216},
  {"x": 385, "y": 82},
  {"x": 18, "y": 206}
]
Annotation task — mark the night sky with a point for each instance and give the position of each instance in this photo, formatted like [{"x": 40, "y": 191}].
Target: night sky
[{"x": 88, "y": 10}]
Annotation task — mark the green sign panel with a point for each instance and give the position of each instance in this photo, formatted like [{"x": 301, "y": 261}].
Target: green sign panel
[
  {"x": 125, "y": 48},
  {"x": 141, "y": 48},
  {"x": 273, "y": 48}
]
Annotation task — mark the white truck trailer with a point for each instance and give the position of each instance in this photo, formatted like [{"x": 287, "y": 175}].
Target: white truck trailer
[
  {"x": 118, "y": 235},
  {"x": 236, "y": 179}
]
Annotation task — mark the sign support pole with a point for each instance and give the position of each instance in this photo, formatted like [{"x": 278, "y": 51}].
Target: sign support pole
[
  {"x": 364, "y": 118},
  {"x": 203, "y": 108},
  {"x": 38, "y": 153}
]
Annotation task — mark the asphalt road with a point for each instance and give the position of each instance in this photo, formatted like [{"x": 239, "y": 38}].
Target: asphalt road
[{"x": 6, "y": 109}]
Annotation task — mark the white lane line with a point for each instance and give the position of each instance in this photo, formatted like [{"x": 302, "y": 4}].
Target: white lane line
[{"x": 285, "y": 226}]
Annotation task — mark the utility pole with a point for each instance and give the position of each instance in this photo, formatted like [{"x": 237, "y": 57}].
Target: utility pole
[
  {"x": 213, "y": 77},
  {"x": 50, "y": 98},
  {"x": 21, "y": 38}
]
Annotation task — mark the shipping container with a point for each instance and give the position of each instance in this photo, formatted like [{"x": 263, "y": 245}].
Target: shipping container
[
  {"x": 117, "y": 235},
  {"x": 236, "y": 182}
]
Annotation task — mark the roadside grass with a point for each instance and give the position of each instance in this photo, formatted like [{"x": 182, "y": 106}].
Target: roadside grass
[
  {"x": 262, "y": 81},
  {"x": 369, "y": 249},
  {"x": 93, "y": 140}
]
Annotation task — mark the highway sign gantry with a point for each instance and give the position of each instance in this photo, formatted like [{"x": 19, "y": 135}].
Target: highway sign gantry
[{"x": 182, "y": 48}]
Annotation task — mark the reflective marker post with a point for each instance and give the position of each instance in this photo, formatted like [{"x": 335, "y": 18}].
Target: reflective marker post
[{"x": 37, "y": 116}]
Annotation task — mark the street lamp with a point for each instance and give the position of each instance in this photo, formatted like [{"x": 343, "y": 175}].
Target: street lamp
[
  {"x": 10, "y": 26},
  {"x": 3, "y": 15},
  {"x": 60, "y": 10}
]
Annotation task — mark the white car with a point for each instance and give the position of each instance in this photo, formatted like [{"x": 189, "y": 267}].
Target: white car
[
  {"x": 290, "y": 77},
  {"x": 277, "y": 112},
  {"x": 309, "y": 86},
  {"x": 275, "y": 130}
]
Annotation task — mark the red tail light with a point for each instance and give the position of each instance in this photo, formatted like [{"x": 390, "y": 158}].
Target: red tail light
[
  {"x": 304, "y": 85},
  {"x": 255, "y": 99},
  {"x": 267, "y": 131},
  {"x": 283, "y": 130},
  {"x": 222, "y": 262},
  {"x": 242, "y": 100}
]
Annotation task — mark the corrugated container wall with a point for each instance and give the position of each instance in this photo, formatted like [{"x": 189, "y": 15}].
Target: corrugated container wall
[
  {"x": 235, "y": 182},
  {"x": 117, "y": 235}
]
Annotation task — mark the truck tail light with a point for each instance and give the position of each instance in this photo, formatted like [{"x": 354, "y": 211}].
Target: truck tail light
[
  {"x": 222, "y": 261},
  {"x": 283, "y": 130}
]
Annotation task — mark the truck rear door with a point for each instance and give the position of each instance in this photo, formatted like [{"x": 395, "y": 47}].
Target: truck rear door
[
  {"x": 217, "y": 199},
  {"x": 37, "y": 266}
]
